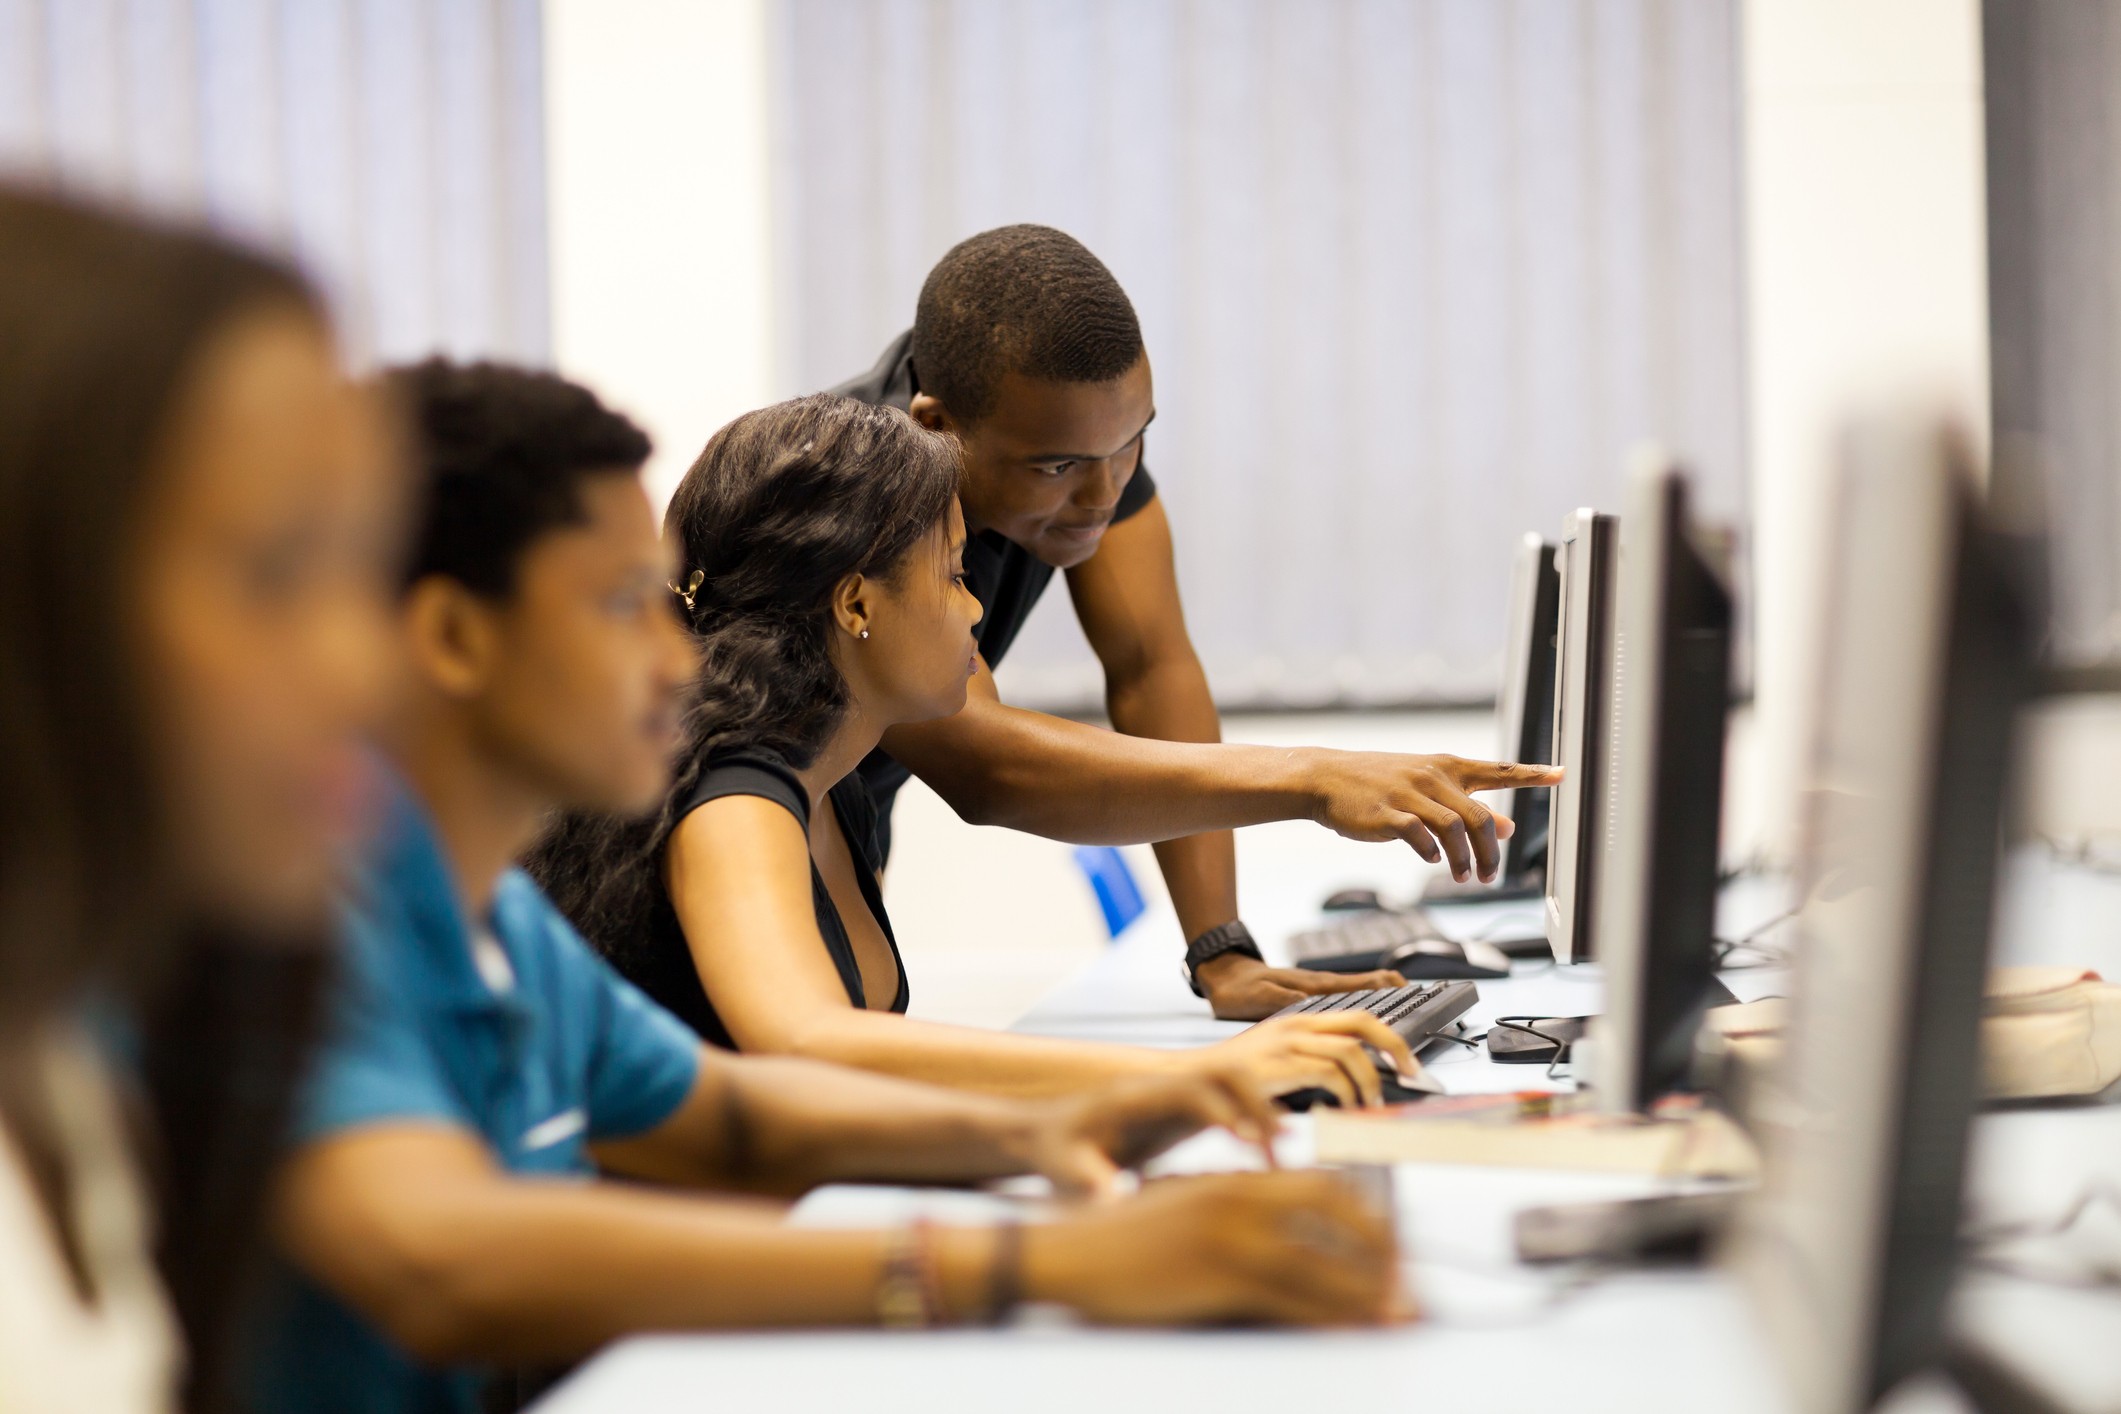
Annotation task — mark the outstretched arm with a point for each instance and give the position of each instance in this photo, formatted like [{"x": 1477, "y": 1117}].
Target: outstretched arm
[
  {"x": 1001, "y": 765},
  {"x": 738, "y": 870},
  {"x": 415, "y": 1227},
  {"x": 412, "y": 1221}
]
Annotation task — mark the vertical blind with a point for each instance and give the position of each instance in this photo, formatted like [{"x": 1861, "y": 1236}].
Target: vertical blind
[
  {"x": 394, "y": 148},
  {"x": 1414, "y": 275},
  {"x": 2053, "y": 87}
]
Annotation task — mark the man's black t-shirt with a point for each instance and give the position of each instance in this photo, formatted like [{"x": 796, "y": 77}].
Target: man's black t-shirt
[{"x": 1006, "y": 578}]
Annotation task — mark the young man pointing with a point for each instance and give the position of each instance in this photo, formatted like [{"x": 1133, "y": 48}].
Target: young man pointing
[{"x": 1026, "y": 348}]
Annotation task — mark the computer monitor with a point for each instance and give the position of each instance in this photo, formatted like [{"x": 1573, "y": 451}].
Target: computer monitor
[
  {"x": 1656, "y": 893},
  {"x": 1583, "y": 667},
  {"x": 1526, "y": 705},
  {"x": 1850, "y": 1245}
]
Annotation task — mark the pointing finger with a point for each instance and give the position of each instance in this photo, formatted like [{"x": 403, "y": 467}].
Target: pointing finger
[{"x": 1500, "y": 775}]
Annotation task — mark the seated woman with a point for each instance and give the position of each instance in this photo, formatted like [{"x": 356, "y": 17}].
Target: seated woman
[
  {"x": 821, "y": 550},
  {"x": 198, "y": 532}
]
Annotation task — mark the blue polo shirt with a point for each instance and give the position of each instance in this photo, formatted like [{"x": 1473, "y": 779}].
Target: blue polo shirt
[{"x": 566, "y": 1054}]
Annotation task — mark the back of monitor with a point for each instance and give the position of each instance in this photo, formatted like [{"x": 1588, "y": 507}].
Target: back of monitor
[
  {"x": 1525, "y": 706},
  {"x": 1850, "y": 1246}
]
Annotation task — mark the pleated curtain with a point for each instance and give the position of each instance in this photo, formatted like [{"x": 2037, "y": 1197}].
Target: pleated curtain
[
  {"x": 394, "y": 148},
  {"x": 1414, "y": 276},
  {"x": 2053, "y": 87}
]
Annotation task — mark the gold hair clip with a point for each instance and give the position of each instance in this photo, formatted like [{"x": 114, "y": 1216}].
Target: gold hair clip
[{"x": 691, "y": 589}]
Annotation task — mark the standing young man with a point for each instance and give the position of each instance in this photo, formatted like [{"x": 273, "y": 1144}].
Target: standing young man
[
  {"x": 1026, "y": 348},
  {"x": 439, "y": 1208}
]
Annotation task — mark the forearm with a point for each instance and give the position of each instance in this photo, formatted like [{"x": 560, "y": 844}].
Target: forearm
[
  {"x": 1171, "y": 702},
  {"x": 964, "y": 1059},
  {"x": 523, "y": 1270},
  {"x": 1000, "y": 765}
]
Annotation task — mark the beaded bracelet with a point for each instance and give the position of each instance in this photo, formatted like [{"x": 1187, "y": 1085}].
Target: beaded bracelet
[{"x": 906, "y": 1293}]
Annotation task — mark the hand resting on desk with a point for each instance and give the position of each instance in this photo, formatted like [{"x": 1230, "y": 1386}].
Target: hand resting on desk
[{"x": 1301, "y": 1248}]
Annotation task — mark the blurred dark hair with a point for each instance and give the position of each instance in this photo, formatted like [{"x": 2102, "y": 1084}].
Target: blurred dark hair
[
  {"x": 506, "y": 451},
  {"x": 1019, "y": 299},
  {"x": 103, "y": 323},
  {"x": 782, "y": 505}
]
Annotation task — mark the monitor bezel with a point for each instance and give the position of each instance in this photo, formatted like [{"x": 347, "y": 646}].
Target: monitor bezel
[
  {"x": 1585, "y": 558},
  {"x": 1525, "y": 710},
  {"x": 1657, "y": 891}
]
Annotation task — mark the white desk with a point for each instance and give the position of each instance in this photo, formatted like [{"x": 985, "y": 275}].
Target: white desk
[{"x": 1501, "y": 1337}]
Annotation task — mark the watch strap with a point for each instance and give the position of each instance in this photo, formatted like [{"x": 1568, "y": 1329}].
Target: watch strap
[{"x": 1229, "y": 937}]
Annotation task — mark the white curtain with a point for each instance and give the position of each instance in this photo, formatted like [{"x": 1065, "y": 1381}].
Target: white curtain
[
  {"x": 2052, "y": 71},
  {"x": 1414, "y": 274},
  {"x": 394, "y": 148}
]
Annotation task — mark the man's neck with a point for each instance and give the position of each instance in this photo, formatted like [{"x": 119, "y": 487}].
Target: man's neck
[{"x": 485, "y": 815}]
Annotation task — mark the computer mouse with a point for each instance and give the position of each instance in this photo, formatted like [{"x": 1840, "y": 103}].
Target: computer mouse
[
  {"x": 1352, "y": 901},
  {"x": 1438, "y": 959},
  {"x": 1318, "y": 1097}
]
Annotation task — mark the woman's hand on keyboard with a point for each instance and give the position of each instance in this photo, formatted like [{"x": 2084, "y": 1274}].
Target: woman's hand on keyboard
[
  {"x": 1330, "y": 1051},
  {"x": 1302, "y": 1248},
  {"x": 1425, "y": 800}
]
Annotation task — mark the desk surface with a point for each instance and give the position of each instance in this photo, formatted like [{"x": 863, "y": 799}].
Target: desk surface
[{"x": 1499, "y": 1335}]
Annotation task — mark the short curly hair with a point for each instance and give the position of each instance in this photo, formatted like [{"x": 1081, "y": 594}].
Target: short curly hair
[
  {"x": 505, "y": 451},
  {"x": 1019, "y": 299}
]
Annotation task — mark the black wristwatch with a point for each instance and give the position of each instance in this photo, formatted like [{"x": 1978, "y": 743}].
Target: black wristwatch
[{"x": 1230, "y": 937}]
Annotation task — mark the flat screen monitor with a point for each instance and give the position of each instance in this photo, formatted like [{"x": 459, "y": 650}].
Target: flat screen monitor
[
  {"x": 1526, "y": 705},
  {"x": 1656, "y": 894},
  {"x": 1850, "y": 1246},
  {"x": 1583, "y": 665}
]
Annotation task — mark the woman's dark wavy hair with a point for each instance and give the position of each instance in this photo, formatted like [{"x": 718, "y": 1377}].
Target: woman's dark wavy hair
[
  {"x": 782, "y": 505},
  {"x": 104, "y": 321}
]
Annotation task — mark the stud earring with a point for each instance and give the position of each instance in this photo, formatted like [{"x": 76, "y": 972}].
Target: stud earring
[{"x": 863, "y": 635}]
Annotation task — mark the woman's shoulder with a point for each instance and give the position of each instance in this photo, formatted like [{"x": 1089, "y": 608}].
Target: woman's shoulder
[{"x": 749, "y": 770}]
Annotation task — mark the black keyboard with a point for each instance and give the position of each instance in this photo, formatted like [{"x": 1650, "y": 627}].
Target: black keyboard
[
  {"x": 1356, "y": 943},
  {"x": 1416, "y": 1011}
]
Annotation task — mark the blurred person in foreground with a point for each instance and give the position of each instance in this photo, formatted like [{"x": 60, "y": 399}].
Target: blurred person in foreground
[
  {"x": 198, "y": 535},
  {"x": 483, "y": 1065}
]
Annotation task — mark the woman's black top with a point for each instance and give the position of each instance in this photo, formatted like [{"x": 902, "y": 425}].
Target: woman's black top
[{"x": 661, "y": 964}]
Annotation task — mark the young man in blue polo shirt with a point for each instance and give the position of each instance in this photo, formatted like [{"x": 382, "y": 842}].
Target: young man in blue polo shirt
[{"x": 441, "y": 1209}]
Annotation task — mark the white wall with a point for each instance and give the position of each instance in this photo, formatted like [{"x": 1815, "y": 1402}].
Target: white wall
[
  {"x": 1866, "y": 277},
  {"x": 660, "y": 205}
]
